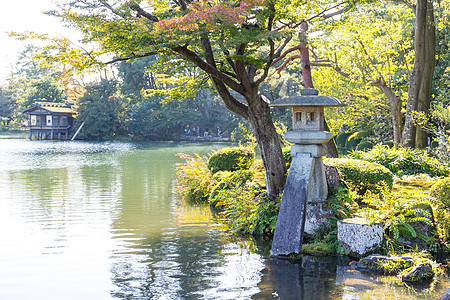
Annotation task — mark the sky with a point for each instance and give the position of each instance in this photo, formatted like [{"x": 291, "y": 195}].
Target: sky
[{"x": 21, "y": 16}]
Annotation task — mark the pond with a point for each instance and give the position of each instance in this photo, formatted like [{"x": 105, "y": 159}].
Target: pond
[{"x": 85, "y": 220}]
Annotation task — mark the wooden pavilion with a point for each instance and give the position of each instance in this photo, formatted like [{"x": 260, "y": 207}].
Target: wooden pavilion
[{"x": 50, "y": 120}]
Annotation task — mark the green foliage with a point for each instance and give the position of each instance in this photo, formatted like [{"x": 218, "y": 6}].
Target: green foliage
[
  {"x": 243, "y": 133},
  {"x": 341, "y": 139},
  {"x": 100, "y": 109},
  {"x": 46, "y": 89},
  {"x": 227, "y": 180},
  {"x": 239, "y": 205},
  {"x": 194, "y": 178},
  {"x": 441, "y": 191},
  {"x": 264, "y": 220},
  {"x": 318, "y": 249},
  {"x": 397, "y": 212},
  {"x": 389, "y": 144},
  {"x": 340, "y": 205},
  {"x": 287, "y": 156},
  {"x": 8, "y": 104},
  {"x": 248, "y": 209},
  {"x": 404, "y": 161},
  {"x": 369, "y": 43},
  {"x": 393, "y": 266},
  {"x": 361, "y": 175},
  {"x": 364, "y": 145},
  {"x": 352, "y": 142},
  {"x": 231, "y": 159}
]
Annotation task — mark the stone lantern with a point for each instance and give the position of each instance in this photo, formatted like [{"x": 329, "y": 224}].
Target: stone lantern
[{"x": 306, "y": 185}]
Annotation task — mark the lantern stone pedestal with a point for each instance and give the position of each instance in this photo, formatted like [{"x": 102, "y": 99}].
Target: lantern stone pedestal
[{"x": 306, "y": 181}]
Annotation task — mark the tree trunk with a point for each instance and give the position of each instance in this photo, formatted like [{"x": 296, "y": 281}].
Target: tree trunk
[
  {"x": 419, "y": 90},
  {"x": 256, "y": 111},
  {"x": 395, "y": 104},
  {"x": 269, "y": 145}
]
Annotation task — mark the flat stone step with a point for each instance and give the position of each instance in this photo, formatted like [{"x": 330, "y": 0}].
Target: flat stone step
[{"x": 357, "y": 237}]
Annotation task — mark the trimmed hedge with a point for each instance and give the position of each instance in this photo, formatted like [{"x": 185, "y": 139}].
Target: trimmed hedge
[
  {"x": 361, "y": 175},
  {"x": 441, "y": 191},
  {"x": 231, "y": 159},
  {"x": 364, "y": 145},
  {"x": 341, "y": 139}
]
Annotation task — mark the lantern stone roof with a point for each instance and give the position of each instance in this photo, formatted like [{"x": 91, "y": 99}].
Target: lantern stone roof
[{"x": 309, "y": 97}]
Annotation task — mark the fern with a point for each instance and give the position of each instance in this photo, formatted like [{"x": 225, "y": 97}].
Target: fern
[{"x": 397, "y": 212}]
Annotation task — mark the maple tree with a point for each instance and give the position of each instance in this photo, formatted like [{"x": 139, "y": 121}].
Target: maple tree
[{"x": 235, "y": 43}]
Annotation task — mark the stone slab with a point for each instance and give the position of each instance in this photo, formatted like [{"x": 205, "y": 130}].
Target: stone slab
[
  {"x": 357, "y": 237},
  {"x": 288, "y": 234}
]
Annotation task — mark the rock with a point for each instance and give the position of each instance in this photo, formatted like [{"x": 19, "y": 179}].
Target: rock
[
  {"x": 384, "y": 264},
  {"x": 316, "y": 214},
  {"x": 333, "y": 179},
  {"x": 357, "y": 237},
  {"x": 446, "y": 295},
  {"x": 420, "y": 272}
]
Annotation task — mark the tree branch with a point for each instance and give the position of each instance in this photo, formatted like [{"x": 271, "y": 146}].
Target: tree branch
[
  {"x": 106, "y": 4},
  {"x": 141, "y": 12},
  {"x": 280, "y": 68},
  {"x": 268, "y": 64},
  {"x": 285, "y": 53},
  {"x": 208, "y": 68},
  {"x": 240, "y": 67},
  {"x": 230, "y": 102},
  {"x": 281, "y": 48},
  {"x": 129, "y": 57}
]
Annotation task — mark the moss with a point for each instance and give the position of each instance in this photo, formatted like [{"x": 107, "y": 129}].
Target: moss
[
  {"x": 318, "y": 249},
  {"x": 394, "y": 266}
]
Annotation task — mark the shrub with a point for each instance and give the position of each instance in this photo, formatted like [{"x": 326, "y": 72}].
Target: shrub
[
  {"x": 364, "y": 145},
  {"x": 249, "y": 210},
  {"x": 264, "y": 220},
  {"x": 238, "y": 204},
  {"x": 231, "y": 159},
  {"x": 441, "y": 191},
  {"x": 361, "y": 175},
  {"x": 194, "y": 178},
  {"x": 404, "y": 161},
  {"x": 390, "y": 144},
  {"x": 225, "y": 180},
  {"x": 351, "y": 143},
  {"x": 341, "y": 139}
]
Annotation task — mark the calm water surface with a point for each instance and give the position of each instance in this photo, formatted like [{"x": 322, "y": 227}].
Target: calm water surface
[{"x": 82, "y": 220}]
